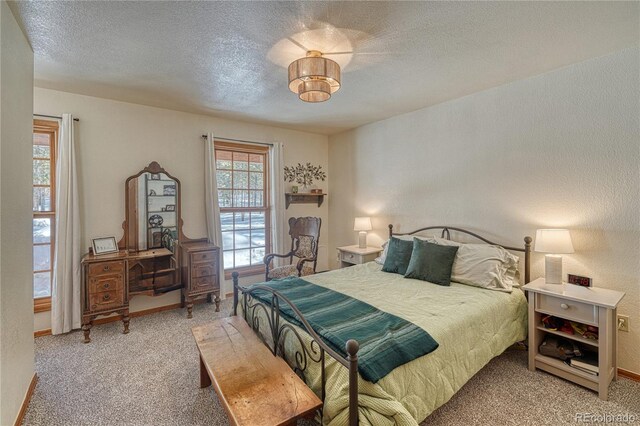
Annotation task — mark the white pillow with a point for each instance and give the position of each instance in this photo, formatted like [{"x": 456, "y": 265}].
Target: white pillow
[
  {"x": 483, "y": 265},
  {"x": 385, "y": 246}
]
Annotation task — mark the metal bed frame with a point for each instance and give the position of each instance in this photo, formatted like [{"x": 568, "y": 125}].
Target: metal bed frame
[{"x": 278, "y": 329}]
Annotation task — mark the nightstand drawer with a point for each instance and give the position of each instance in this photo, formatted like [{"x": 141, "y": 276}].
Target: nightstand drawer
[
  {"x": 568, "y": 309},
  {"x": 350, "y": 257}
]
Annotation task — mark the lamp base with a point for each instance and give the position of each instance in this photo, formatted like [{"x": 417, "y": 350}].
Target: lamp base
[
  {"x": 553, "y": 269},
  {"x": 362, "y": 239}
]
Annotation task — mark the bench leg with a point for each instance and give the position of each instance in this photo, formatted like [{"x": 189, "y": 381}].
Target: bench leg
[{"x": 205, "y": 380}]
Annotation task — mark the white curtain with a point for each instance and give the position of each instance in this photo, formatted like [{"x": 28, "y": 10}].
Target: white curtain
[
  {"x": 65, "y": 294},
  {"x": 212, "y": 208},
  {"x": 278, "y": 226}
]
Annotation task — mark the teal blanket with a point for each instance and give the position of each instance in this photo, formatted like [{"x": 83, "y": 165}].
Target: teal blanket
[{"x": 386, "y": 341}]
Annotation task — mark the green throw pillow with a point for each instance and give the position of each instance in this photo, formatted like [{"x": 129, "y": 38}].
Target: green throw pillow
[
  {"x": 398, "y": 256},
  {"x": 431, "y": 262}
]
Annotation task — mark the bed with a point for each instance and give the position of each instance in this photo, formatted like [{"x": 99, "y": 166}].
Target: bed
[{"x": 472, "y": 325}]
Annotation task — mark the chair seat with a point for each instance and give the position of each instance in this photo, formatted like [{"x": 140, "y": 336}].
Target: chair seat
[{"x": 289, "y": 271}]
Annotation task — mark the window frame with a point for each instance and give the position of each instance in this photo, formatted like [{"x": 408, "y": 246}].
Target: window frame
[
  {"x": 250, "y": 270},
  {"x": 51, "y": 128}
]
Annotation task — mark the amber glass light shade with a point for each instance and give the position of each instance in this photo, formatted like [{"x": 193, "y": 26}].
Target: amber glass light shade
[{"x": 314, "y": 78}]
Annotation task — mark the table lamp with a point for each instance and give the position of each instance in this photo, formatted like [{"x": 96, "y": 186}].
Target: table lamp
[
  {"x": 362, "y": 224},
  {"x": 554, "y": 242}
]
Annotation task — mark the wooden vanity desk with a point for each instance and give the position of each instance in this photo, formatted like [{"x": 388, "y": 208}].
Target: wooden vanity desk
[{"x": 154, "y": 256}]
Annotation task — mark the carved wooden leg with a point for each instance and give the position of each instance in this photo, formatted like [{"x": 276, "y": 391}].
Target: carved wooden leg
[
  {"x": 189, "y": 307},
  {"x": 125, "y": 322},
  {"x": 86, "y": 328},
  {"x": 217, "y": 300},
  {"x": 210, "y": 298},
  {"x": 205, "y": 380}
]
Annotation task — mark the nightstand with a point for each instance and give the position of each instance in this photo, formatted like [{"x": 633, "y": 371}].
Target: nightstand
[
  {"x": 585, "y": 305},
  {"x": 354, "y": 255}
]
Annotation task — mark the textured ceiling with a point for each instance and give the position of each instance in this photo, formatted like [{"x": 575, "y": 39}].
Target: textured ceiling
[{"x": 229, "y": 58}]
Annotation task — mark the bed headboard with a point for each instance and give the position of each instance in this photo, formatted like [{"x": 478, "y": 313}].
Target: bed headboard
[{"x": 447, "y": 234}]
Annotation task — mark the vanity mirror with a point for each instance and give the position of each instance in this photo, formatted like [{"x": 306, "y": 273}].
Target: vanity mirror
[
  {"x": 153, "y": 257},
  {"x": 152, "y": 231}
]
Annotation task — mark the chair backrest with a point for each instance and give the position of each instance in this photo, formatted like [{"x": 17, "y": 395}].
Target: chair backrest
[{"x": 305, "y": 234}]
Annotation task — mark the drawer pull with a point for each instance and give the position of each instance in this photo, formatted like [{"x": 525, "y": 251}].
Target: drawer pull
[
  {"x": 105, "y": 285},
  {"x": 106, "y": 296},
  {"x": 564, "y": 306},
  {"x": 106, "y": 268}
]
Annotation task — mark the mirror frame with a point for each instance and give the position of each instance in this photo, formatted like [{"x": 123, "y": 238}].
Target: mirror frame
[{"x": 153, "y": 168}]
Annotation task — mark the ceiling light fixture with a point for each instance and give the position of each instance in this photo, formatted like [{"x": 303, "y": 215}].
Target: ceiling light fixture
[{"x": 314, "y": 78}]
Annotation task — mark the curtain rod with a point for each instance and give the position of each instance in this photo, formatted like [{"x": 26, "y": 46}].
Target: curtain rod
[
  {"x": 53, "y": 116},
  {"x": 238, "y": 140}
]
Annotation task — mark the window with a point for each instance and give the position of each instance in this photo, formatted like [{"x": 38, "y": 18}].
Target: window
[
  {"x": 243, "y": 196},
  {"x": 45, "y": 135}
]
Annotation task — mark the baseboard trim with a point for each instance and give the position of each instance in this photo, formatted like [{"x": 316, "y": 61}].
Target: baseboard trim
[
  {"x": 144, "y": 312},
  {"x": 114, "y": 318},
  {"x": 629, "y": 374},
  {"x": 27, "y": 400},
  {"x": 40, "y": 333}
]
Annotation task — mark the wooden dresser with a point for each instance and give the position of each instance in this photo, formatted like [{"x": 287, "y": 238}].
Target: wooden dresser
[
  {"x": 105, "y": 289},
  {"x": 200, "y": 273}
]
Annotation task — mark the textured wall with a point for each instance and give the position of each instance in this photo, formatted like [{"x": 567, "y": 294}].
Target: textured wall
[
  {"x": 16, "y": 291},
  {"x": 117, "y": 139},
  {"x": 558, "y": 150}
]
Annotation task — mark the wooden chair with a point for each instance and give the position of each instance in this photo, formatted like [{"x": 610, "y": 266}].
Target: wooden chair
[{"x": 305, "y": 233}]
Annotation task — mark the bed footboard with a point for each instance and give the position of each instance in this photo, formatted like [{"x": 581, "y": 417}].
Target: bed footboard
[{"x": 278, "y": 331}]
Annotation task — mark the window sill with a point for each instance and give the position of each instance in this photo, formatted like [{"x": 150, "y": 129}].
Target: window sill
[
  {"x": 42, "y": 304},
  {"x": 245, "y": 272}
]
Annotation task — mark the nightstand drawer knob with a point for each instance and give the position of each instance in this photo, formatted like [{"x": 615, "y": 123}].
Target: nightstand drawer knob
[
  {"x": 106, "y": 297},
  {"x": 564, "y": 306}
]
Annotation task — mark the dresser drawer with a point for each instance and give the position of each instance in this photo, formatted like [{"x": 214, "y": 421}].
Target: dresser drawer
[
  {"x": 204, "y": 256},
  {"x": 106, "y": 300},
  {"x": 203, "y": 269},
  {"x": 568, "y": 309},
  {"x": 106, "y": 283},
  {"x": 103, "y": 268},
  {"x": 205, "y": 283}
]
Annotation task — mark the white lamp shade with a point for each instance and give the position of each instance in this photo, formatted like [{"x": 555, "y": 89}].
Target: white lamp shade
[
  {"x": 362, "y": 224},
  {"x": 556, "y": 241}
]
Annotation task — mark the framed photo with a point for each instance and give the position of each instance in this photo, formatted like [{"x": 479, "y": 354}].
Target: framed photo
[
  {"x": 170, "y": 208},
  {"x": 155, "y": 176},
  {"x": 104, "y": 245}
]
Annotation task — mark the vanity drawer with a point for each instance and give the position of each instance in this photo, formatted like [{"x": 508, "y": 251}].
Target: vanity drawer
[
  {"x": 204, "y": 256},
  {"x": 106, "y": 283},
  {"x": 568, "y": 309},
  {"x": 103, "y": 268},
  {"x": 106, "y": 300},
  {"x": 205, "y": 283},
  {"x": 203, "y": 269}
]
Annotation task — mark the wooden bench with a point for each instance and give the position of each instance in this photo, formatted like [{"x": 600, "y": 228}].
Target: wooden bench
[{"x": 254, "y": 386}]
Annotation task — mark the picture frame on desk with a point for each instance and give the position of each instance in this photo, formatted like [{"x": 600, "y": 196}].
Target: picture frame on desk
[{"x": 104, "y": 245}]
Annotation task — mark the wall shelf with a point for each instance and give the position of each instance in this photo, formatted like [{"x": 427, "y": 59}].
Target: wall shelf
[{"x": 303, "y": 198}]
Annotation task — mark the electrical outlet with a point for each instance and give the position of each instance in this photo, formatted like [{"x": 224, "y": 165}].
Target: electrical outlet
[{"x": 623, "y": 322}]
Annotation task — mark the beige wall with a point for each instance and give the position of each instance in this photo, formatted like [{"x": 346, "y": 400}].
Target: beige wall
[
  {"x": 117, "y": 139},
  {"x": 16, "y": 291},
  {"x": 558, "y": 150}
]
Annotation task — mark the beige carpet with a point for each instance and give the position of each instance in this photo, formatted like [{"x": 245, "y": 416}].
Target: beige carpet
[{"x": 151, "y": 377}]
